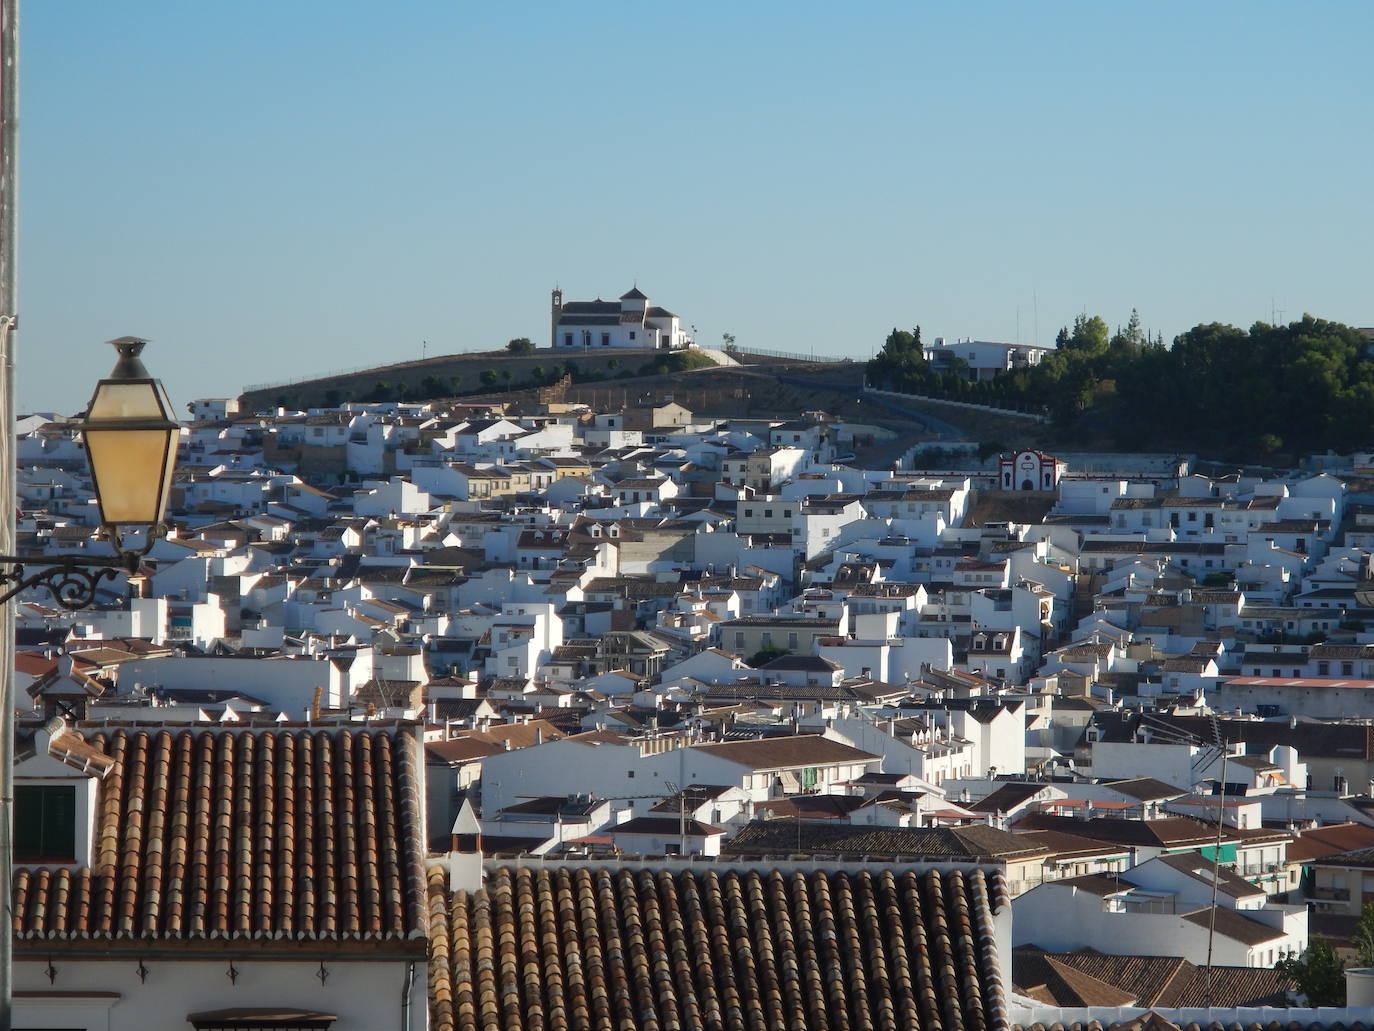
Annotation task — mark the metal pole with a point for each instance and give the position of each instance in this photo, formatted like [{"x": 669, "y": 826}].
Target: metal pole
[
  {"x": 9, "y": 138},
  {"x": 1216, "y": 872}
]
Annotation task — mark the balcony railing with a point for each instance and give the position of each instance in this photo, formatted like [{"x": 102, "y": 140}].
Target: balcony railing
[{"x": 1331, "y": 894}]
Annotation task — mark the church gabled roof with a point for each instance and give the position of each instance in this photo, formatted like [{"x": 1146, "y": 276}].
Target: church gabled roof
[{"x": 635, "y": 294}]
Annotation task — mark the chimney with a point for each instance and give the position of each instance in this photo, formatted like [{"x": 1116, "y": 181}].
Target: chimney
[{"x": 465, "y": 851}]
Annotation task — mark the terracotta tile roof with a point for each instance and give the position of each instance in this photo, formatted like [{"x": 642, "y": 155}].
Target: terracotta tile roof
[
  {"x": 1006, "y": 797},
  {"x": 1046, "y": 979},
  {"x": 217, "y": 834},
  {"x": 782, "y": 753},
  {"x": 1320, "y": 842},
  {"x": 1147, "y": 789},
  {"x": 1149, "y": 980},
  {"x": 976, "y": 843},
  {"x": 1233, "y": 924},
  {"x": 1232, "y": 986},
  {"x": 1169, "y": 832},
  {"x": 598, "y": 948}
]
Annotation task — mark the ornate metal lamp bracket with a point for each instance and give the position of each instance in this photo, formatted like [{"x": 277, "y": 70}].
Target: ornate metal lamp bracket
[{"x": 71, "y": 582}]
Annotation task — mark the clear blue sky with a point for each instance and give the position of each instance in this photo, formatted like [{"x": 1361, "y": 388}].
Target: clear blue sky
[{"x": 272, "y": 188}]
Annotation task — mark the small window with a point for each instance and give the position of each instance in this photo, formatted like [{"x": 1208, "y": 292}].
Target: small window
[
  {"x": 605, "y": 340},
  {"x": 632, "y": 334},
  {"x": 567, "y": 340},
  {"x": 1347, "y": 669},
  {"x": 45, "y": 823}
]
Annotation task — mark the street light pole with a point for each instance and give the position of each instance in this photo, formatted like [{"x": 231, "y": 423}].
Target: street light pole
[{"x": 9, "y": 139}]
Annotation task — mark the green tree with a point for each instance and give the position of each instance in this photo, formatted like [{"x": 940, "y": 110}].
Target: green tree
[
  {"x": 1127, "y": 343},
  {"x": 1318, "y": 972},
  {"x": 764, "y": 656},
  {"x": 521, "y": 345},
  {"x": 988, "y": 448},
  {"x": 488, "y": 377},
  {"x": 729, "y": 340},
  {"x": 1223, "y": 391},
  {"x": 900, "y": 365},
  {"x": 1089, "y": 338},
  {"x": 1363, "y": 938}
]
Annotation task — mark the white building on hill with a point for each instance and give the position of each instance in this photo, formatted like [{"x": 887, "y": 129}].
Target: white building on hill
[
  {"x": 982, "y": 359},
  {"x": 630, "y": 323}
]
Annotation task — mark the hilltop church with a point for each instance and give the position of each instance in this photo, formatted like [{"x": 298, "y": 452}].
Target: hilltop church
[{"x": 629, "y": 323}]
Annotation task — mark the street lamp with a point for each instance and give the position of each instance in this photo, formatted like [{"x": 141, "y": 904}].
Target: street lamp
[{"x": 131, "y": 442}]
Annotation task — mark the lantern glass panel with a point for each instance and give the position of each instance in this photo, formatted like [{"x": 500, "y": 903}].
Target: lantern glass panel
[
  {"x": 132, "y": 472},
  {"x": 126, "y": 401}
]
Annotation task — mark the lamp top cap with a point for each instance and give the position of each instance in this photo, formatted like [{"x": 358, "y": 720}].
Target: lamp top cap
[{"x": 129, "y": 366}]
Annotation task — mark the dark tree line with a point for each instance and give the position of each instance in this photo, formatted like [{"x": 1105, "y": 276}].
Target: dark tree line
[{"x": 1304, "y": 387}]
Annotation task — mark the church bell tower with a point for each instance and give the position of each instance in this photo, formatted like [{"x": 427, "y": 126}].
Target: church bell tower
[{"x": 557, "y": 307}]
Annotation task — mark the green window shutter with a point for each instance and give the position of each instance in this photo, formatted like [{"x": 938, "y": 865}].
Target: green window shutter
[{"x": 45, "y": 823}]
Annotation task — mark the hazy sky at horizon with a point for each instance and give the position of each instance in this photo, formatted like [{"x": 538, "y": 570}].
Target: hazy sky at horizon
[{"x": 271, "y": 190}]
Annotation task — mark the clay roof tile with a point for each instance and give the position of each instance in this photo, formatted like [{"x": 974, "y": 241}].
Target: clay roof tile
[
  {"x": 226, "y": 833},
  {"x": 617, "y": 947}
]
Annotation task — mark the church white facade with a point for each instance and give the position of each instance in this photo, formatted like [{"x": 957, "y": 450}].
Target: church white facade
[
  {"x": 1030, "y": 470},
  {"x": 629, "y": 323}
]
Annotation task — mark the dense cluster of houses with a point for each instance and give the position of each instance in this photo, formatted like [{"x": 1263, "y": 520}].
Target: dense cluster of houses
[{"x": 471, "y": 714}]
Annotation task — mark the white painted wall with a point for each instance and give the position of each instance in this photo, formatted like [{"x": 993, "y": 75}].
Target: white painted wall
[
  {"x": 365, "y": 994},
  {"x": 283, "y": 683},
  {"x": 1061, "y": 917}
]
